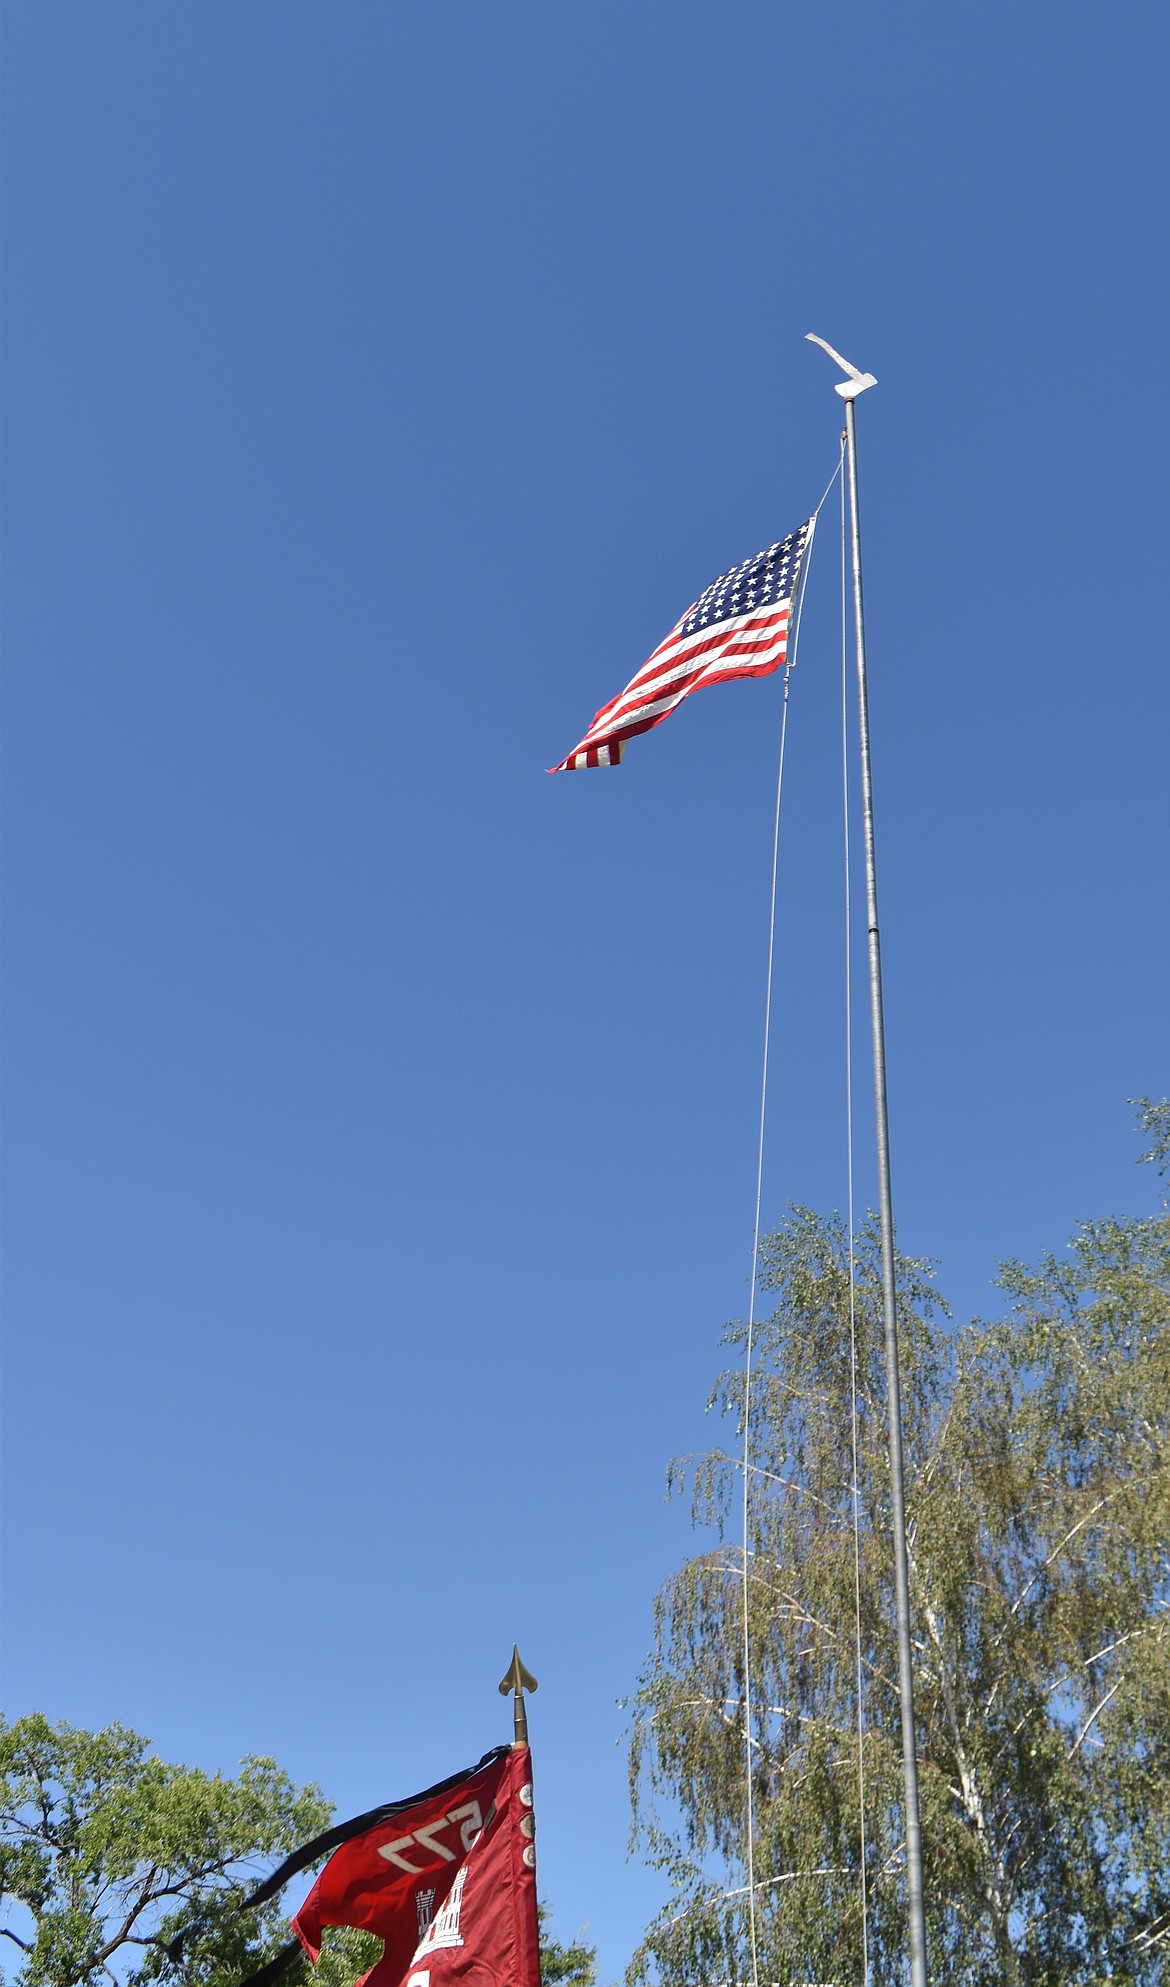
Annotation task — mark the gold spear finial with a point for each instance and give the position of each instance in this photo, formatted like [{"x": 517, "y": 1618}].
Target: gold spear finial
[{"x": 518, "y": 1679}]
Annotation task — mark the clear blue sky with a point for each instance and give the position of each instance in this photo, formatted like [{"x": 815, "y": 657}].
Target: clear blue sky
[{"x": 381, "y": 382}]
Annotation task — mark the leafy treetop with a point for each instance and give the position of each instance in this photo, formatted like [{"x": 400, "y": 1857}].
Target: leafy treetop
[
  {"x": 124, "y": 1869},
  {"x": 117, "y": 1868},
  {"x": 1038, "y": 1499}
]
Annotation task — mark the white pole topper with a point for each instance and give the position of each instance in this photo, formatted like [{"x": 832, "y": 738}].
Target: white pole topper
[{"x": 854, "y": 383}]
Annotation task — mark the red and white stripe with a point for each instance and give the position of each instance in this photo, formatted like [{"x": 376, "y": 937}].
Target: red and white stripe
[{"x": 753, "y": 644}]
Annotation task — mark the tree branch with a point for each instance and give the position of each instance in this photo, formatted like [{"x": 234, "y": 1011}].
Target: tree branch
[
  {"x": 995, "y": 1876},
  {"x": 1053, "y": 1555},
  {"x": 1131, "y": 1635},
  {"x": 1093, "y": 1716}
]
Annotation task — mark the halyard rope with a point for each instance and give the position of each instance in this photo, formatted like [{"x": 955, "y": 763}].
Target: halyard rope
[{"x": 749, "y": 1805}]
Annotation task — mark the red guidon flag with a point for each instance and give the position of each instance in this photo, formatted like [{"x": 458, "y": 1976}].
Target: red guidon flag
[
  {"x": 738, "y": 627},
  {"x": 447, "y": 1880}
]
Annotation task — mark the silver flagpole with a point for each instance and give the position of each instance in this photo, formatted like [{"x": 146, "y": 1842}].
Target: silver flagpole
[{"x": 849, "y": 388}]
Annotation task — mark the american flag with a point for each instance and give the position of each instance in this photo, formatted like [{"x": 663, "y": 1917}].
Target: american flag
[{"x": 738, "y": 627}]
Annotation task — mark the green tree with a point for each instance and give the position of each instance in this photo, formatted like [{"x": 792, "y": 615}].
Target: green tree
[
  {"x": 115, "y": 1867},
  {"x": 561, "y": 1965},
  {"x": 1038, "y": 1481},
  {"x": 346, "y": 1955},
  {"x": 122, "y": 1868},
  {"x": 1154, "y": 1124}
]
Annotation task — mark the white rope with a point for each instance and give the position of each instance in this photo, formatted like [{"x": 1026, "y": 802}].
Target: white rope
[
  {"x": 747, "y": 1375},
  {"x": 852, "y": 1275},
  {"x": 749, "y": 1809}
]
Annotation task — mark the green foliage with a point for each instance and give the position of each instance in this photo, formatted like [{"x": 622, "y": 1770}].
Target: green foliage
[
  {"x": 1038, "y": 1488},
  {"x": 1154, "y": 1124},
  {"x": 115, "y": 1867},
  {"x": 122, "y": 1868},
  {"x": 564, "y": 1966},
  {"x": 346, "y": 1954}
]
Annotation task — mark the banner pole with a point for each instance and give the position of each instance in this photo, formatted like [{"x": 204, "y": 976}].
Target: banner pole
[{"x": 849, "y": 389}]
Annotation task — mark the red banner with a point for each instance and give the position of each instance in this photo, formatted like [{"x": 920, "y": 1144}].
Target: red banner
[{"x": 448, "y": 1884}]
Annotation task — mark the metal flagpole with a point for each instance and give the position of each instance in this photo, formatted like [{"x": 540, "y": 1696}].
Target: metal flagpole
[{"x": 849, "y": 388}]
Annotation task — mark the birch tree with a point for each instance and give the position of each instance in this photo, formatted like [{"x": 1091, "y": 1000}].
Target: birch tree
[{"x": 1038, "y": 1492}]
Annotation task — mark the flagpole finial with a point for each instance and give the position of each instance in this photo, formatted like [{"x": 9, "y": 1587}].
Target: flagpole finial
[
  {"x": 516, "y": 1678},
  {"x": 856, "y": 382}
]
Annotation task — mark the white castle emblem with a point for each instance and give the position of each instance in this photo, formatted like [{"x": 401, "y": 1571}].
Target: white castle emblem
[{"x": 444, "y": 1927}]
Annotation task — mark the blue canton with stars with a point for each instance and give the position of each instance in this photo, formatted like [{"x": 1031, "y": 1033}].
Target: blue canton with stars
[{"x": 763, "y": 581}]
